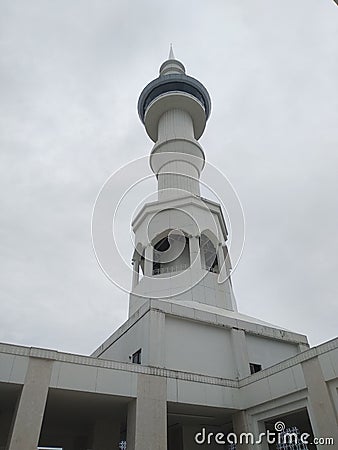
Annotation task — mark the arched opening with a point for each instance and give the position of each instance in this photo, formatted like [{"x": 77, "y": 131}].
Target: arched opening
[
  {"x": 209, "y": 260},
  {"x": 171, "y": 253}
]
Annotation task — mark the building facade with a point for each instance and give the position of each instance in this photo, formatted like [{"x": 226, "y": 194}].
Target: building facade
[{"x": 186, "y": 370}]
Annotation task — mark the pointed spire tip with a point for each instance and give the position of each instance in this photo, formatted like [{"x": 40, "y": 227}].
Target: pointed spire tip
[
  {"x": 171, "y": 65},
  {"x": 171, "y": 52}
]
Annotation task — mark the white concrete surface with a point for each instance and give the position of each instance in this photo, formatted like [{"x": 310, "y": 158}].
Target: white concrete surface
[
  {"x": 299, "y": 382},
  {"x": 30, "y": 412}
]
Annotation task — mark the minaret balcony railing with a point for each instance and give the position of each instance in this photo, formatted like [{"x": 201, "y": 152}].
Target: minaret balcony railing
[
  {"x": 180, "y": 268},
  {"x": 170, "y": 269}
]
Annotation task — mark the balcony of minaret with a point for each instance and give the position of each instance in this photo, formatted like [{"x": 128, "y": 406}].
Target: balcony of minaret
[{"x": 173, "y": 251}]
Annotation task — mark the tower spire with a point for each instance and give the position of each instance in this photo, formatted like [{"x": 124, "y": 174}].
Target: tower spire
[{"x": 171, "y": 52}]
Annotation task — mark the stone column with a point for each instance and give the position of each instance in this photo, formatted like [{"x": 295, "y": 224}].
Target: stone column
[
  {"x": 136, "y": 269},
  {"x": 147, "y": 415},
  {"x": 242, "y": 424},
  {"x": 195, "y": 254},
  {"x": 156, "y": 331},
  {"x": 221, "y": 261},
  {"x": 195, "y": 261},
  {"x": 321, "y": 410},
  {"x": 148, "y": 260},
  {"x": 28, "y": 420},
  {"x": 106, "y": 434},
  {"x": 225, "y": 271}
]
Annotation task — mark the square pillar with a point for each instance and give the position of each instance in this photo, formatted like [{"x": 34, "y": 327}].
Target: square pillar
[
  {"x": 136, "y": 271},
  {"x": 147, "y": 415},
  {"x": 31, "y": 408},
  {"x": 148, "y": 260},
  {"x": 156, "y": 349},
  {"x": 320, "y": 408},
  {"x": 242, "y": 424},
  {"x": 197, "y": 272},
  {"x": 221, "y": 261},
  {"x": 195, "y": 254}
]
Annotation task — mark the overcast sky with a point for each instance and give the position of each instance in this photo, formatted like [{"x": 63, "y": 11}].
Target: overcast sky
[{"x": 71, "y": 73}]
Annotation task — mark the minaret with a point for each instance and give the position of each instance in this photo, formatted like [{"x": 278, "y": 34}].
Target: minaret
[
  {"x": 174, "y": 109},
  {"x": 182, "y": 311},
  {"x": 180, "y": 240}
]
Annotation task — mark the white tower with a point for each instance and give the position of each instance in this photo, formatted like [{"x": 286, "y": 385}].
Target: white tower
[
  {"x": 180, "y": 239},
  {"x": 182, "y": 311}
]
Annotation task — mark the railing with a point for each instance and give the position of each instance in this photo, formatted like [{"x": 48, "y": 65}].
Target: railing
[
  {"x": 170, "y": 269},
  {"x": 180, "y": 268}
]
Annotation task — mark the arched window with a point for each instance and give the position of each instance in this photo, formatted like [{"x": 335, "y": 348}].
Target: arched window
[
  {"x": 209, "y": 258},
  {"x": 171, "y": 253}
]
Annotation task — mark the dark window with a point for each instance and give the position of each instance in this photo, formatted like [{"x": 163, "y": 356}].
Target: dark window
[
  {"x": 255, "y": 368},
  {"x": 136, "y": 357}
]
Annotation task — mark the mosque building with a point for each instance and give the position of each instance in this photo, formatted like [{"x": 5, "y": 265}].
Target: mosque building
[{"x": 186, "y": 370}]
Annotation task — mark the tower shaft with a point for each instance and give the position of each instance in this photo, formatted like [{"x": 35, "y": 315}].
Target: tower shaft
[
  {"x": 180, "y": 239},
  {"x": 177, "y": 158}
]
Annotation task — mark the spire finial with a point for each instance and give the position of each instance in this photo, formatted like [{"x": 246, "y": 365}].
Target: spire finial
[
  {"x": 171, "y": 52},
  {"x": 171, "y": 65}
]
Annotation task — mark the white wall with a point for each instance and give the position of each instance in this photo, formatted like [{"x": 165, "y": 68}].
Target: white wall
[
  {"x": 195, "y": 347},
  {"x": 130, "y": 342},
  {"x": 268, "y": 352}
]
